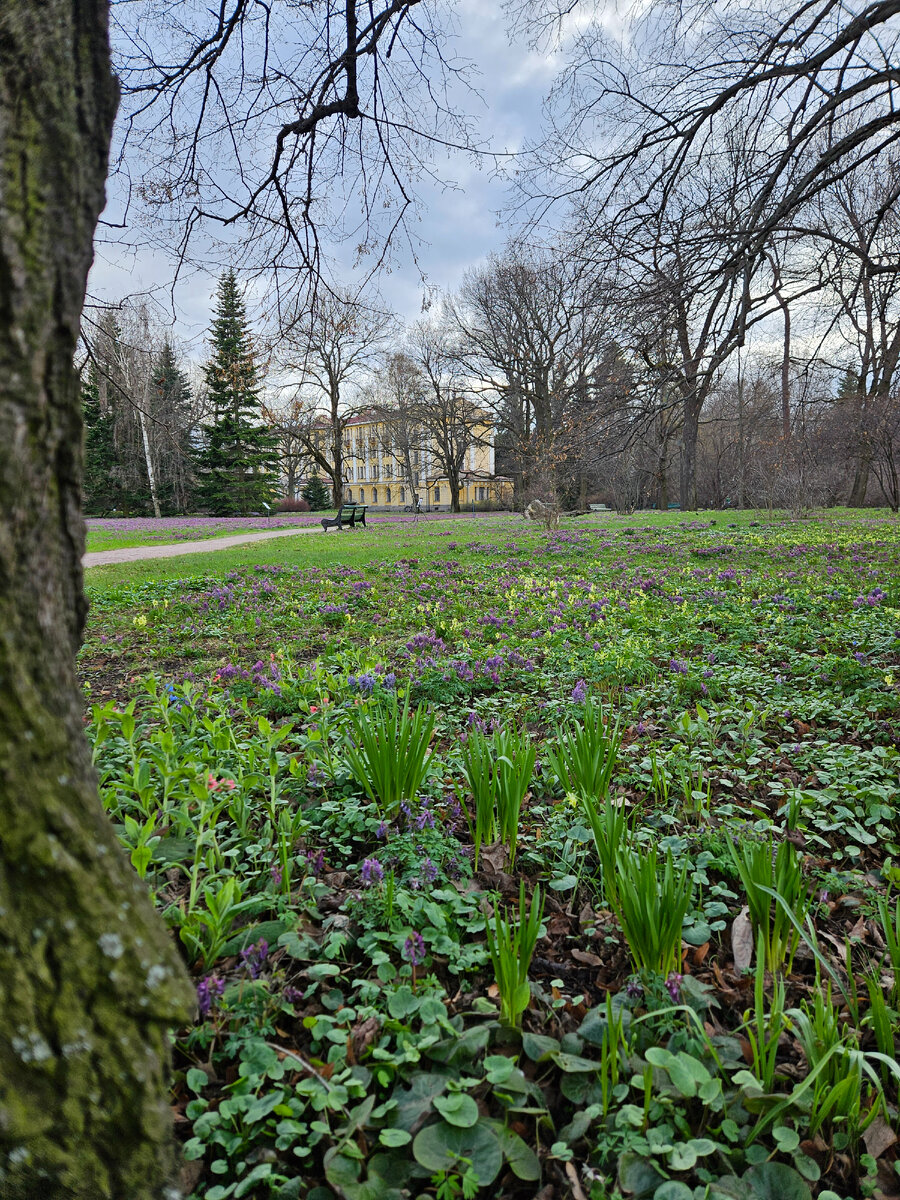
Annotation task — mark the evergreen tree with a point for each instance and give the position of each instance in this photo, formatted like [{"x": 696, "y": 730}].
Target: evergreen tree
[
  {"x": 316, "y": 494},
  {"x": 236, "y": 467},
  {"x": 102, "y": 492}
]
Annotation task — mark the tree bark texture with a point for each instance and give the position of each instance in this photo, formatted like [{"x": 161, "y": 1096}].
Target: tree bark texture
[
  {"x": 689, "y": 433},
  {"x": 89, "y": 980}
]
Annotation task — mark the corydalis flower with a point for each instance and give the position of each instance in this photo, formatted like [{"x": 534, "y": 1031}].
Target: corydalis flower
[
  {"x": 414, "y": 949},
  {"x": 254, "y": 956},
  {"x": 673, "y": 985},
  {"x": 209, "y": 990},
  {"x": 579, "y": 692},
  {"x": 372, "y": 872}
]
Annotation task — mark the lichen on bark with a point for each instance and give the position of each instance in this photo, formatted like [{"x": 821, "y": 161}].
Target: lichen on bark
[{"x": 90, "y": 983}]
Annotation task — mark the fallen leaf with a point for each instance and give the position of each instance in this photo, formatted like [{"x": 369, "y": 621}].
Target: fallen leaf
[
  {"x": 699, "y": 953},
  {"x": 572, "y": 1176},
  {"x": 363, "y": 1035},
  {"x": 879, "y": 1137},
  {"x": 742, "y": 940},
  {"x": 493, "y": 859},
  {"x": 589, "y": 960}
]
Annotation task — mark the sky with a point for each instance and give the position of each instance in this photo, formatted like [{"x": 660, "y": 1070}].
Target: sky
[{"x": 456, "y": 226}]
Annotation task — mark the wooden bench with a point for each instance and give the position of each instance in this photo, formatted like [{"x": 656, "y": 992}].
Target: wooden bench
[{"x": 348, "y": 514}]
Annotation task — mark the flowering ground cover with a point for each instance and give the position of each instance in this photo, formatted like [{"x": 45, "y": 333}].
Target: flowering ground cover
[
  {"x": 120, "y": 533},
  {"x": 522, "y": 864}
]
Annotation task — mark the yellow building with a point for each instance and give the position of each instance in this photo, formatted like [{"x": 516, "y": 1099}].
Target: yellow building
[{"x": 374, "y": 473}]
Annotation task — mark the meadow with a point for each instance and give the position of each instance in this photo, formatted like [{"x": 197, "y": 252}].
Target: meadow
[{"x": 521, "y": 864}]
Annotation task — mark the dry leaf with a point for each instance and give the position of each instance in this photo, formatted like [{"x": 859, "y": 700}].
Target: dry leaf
[
  {"x": 879, "y": 1137},
  {"x": 493, "y": 859},
  {"x": 742, "y": 940},
  {"x": 572, "y": 1176},
  {"x": 589, "y": 960}
]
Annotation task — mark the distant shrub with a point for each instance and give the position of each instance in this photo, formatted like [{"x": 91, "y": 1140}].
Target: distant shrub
[{"x": 288, "y": 505}]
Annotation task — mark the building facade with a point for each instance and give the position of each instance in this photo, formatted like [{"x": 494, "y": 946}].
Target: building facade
[{"x": 375, "y": 472}]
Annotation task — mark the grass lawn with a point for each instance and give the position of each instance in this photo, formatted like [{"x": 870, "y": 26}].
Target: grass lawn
[
  {"x": 520, "y": 864},
  {"x": 125, "y": 533}
]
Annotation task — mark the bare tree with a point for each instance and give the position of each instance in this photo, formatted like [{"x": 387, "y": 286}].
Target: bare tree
[
  {"x": 808, "y": 91},
  {"x": 529, "y": 325},
  {"x": 238, "y": 114},
  {"x": 455, "y": 425},
  {"x": 857, "y": 228},
  {"x": 332, "y": 348},
  {"x": 398, "y": 432},
  {"x": 138, "y": 380},
  {"x": 290, "y": 423}
]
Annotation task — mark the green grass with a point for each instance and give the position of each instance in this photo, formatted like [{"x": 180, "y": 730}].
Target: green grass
[
  {"x": 759, "y": 655},
  {"x": 100, "y": 540}
]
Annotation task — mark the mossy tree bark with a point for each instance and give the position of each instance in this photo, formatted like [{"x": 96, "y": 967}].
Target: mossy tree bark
[{"x": 89, "y": 982}]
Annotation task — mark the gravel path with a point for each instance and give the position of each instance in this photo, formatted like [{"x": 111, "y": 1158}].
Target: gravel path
[{"x": 105, "y": 558}]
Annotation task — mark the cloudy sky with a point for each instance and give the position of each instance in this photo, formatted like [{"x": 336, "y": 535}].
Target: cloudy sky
[{"x": 456, "y": 225}]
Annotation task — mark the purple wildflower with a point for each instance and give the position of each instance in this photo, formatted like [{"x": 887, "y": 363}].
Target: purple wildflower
[
  {"x": 277, "y": 875},
  {"x": 414, "y": 949},
  {"x": 372, "y": 872},
  {"x": 209, "y": 991},
  {"x": 673, "y": 985},
  {"x": 579, "y": 692},
  {"x": 254, "y": 956}
]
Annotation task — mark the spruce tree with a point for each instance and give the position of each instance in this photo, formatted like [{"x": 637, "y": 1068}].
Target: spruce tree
[
  {"x": 236, "y": 466},
  {"x": 101, "y": 495},
  {"x": 316, "y": 494}
]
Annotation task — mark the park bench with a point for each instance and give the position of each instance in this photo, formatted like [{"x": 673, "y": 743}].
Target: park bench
[{"x": 348, "y": 514}]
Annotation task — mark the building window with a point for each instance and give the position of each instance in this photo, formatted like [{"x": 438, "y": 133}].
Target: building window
[
  {"x": 481, "y": 493},
  {"x": 437, "y": 495},
  {"x": 403, "y": 495},
  {"x": 374, "y": 495},
  {"x": 388, "y": 498},
  {"x": 349, "y": 495}
]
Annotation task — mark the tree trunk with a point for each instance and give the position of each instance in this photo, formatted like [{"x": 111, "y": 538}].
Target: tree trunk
[
  {"x": 148, "y": 459},
  {"x": 89, "y": 979},
  {"x": 862, "y": 466},
  {"x": 786, "y": 374},
  {"x": 689, "y": 434}
]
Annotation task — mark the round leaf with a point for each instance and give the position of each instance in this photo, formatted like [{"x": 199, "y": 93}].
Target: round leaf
[
  {"x": 439, "y": 1147},
  {"x": 458, "y": 1109},
  {"x": 394, "y": 1137}
]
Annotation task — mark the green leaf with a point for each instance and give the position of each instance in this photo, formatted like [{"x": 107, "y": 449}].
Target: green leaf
[
  {"x": 673, "y": 1189},
  {"x": 683, "y": 1157},
  {"x": 537, "y": 1046},
  {"x": 523, "y": 1162},
  {"x": 777, "y": 1181},
  {"x": 394, "y": 1137},
  {"x": 196, "y": 1080},
  {"x": 414, "y": 1102},
  {"x": 458, "y": 1109},
  {"x": 563, "y": 885},
  {"x": 439, "y": 1147},
  {"x": 259, "y": 1172},
  {"x": 573, "y": 1064},
  {"x": 788, "y": 1139},
  {"x": 637, "y": 1176},
  {"x": 340, "y": 1170}
]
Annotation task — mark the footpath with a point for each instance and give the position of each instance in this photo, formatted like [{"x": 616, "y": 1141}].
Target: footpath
[{"x": 105, "y": 558}]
